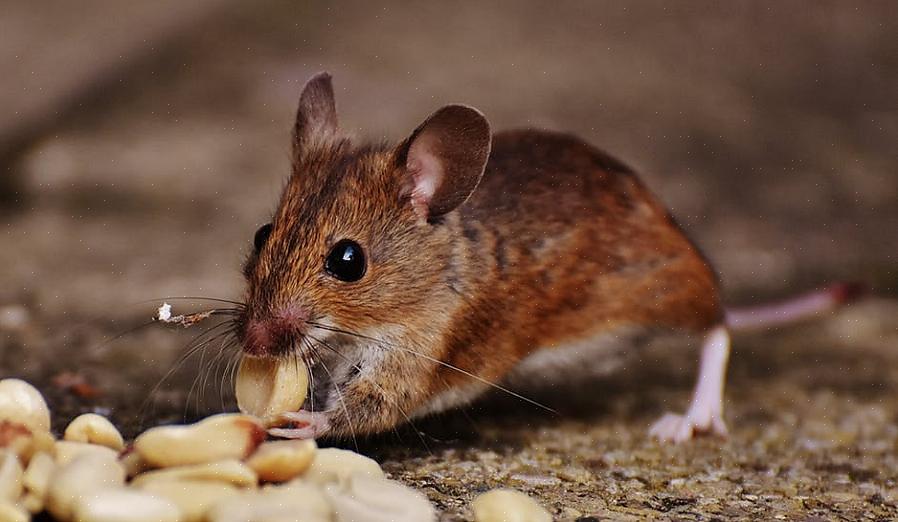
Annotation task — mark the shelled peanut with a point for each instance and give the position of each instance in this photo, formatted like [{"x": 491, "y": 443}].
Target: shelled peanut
[{"x": 219, "y": 469}]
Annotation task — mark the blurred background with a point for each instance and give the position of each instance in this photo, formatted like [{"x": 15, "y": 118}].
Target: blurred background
[{"x": 142, "y": 144}]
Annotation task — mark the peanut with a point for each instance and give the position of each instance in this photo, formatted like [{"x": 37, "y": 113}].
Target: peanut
[
  {"x": 21, "y": 402},
  {"x": 82, "y": 476},
  {"x": 282, "y": 460},
  {"x": 37, "y": 476},
  {"x": 266, "y": 388},
  {"x": 67, "y": 451},
  {"x": 125, "y": 505},
  {"x": 10, "y": 512},
  {"x": 220, "y": 437},
  {"x": 336, "y": 465},
  {"x": 11, "y": 472},
  {"x": 32, "y": 503},
  {"x": 23, "y": 441},
  {"x": 296, "y": 503},
  {"x": 193, "y": 497},
  {"x": 202, "y": 476},
  {"x": 227, "y": 471},
  {"x": 378, "y": 500},
  {"x": 311, "y": 496},
  {"x": 133, "y": 463},
  {"x": 94, "y": 429},
  {"x": 506, "y": 505}
]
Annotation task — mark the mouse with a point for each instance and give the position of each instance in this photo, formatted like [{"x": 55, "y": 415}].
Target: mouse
[{"x": 413, "y": 277}]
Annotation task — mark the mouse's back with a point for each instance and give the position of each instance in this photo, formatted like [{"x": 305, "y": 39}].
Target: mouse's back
[{"x": 563, "y": 243}]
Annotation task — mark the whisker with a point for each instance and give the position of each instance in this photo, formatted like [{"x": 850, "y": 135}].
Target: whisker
[
  {"x": 355, "y": 441},
  {"x": 437, "y": 361},
  {"x": 196, "y": 378},
  {"x": 206, "y": 369},
  {"x": 195, "y": 344},
  {"x": 306, "y": 361},
  {"x": 480, "y": 379},
  {"x": 227, "y": 341},
  {"x": 238, "y": 304},
  {"x": 218, "y": 367},
  {"x": 126, "y": 332},
  {"x": 383, "y": 390},
  {"x": 230, "y": 374},
  {"x": 308, "y": 370}
]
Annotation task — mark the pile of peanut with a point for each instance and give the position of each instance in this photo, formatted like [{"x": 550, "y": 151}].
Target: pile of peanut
[{"x": 221, "y": 469}]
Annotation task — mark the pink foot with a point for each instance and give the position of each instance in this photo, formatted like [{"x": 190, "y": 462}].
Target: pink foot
[
  {"x": 705, "y": 414},
  {"x": 303, "y": 425},
  {"x": 681, "y": 428}
]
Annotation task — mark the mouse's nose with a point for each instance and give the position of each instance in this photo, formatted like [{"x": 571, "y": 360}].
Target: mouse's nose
[{"x": 273, "y": 336}]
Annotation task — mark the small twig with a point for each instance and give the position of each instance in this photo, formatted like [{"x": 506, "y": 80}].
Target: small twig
[{"x": 163, "y": 315}]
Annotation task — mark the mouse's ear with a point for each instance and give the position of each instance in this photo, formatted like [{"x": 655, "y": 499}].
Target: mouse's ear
[
  {"x": 444, "y": 159},
  {"x": 317, "y": 113}
]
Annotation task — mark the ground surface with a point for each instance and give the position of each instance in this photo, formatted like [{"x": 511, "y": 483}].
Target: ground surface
[{"x": 769, "y": 129}]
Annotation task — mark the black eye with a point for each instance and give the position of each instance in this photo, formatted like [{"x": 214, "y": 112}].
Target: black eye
[
  {"x": 346, "y": 261},
  {"x": 262, "y": 236}
]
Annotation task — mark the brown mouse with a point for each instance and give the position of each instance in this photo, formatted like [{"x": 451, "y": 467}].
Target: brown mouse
[{"x": 413, "y": 278}]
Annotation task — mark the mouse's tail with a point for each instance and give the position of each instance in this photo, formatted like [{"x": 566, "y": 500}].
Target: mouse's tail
[{"x": 794, "y": 309}]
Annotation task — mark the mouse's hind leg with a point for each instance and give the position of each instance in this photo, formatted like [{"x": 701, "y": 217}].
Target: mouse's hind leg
[{"x": 705, "y": 413}]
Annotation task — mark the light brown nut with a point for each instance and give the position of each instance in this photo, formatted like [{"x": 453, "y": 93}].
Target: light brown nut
[
  {"x": 333, "y": 465},
  {"x": 94, "y": 429},
  {"x": 309, "y": 495},
  {"x": 37, "y": 475},
  {"x": 125, "y": 505},
  {"x": 24, "y": 442},
  {"x": 17, "y": 438},
  {"x": 66, "y": 451},
  {"x": 267, "y": 388},
  {"x": 11, "y": 472},
  {"x": 193, "y": 497},
  {"x": 378, "y": 500},
  {"x": 230, "y": 471},
  {"x": 282, "y": 460},
  {"x": 293, "y": 503},
  {"x": 220, "y": 437},
  {"x": 507, "y": 505},
  {"x": 81, "y": 477},
  {"x": 10, "y": 512},
  {"x": 21, "y": 402},
  {"x": 32, "y": 503},
  {"x": 133, "y": 462}
]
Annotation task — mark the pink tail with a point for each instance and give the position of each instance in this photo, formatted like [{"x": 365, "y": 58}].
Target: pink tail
[{"x": 795, "y": 309}]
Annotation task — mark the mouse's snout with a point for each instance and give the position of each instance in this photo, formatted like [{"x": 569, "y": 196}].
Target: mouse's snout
[{"x": 274, "y": 335}]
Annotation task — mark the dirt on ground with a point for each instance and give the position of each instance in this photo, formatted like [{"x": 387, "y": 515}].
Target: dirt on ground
[{"x": 769, "y": 128}]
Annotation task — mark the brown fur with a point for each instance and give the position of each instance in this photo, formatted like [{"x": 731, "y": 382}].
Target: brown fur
[{"x": 558, "y": 243}]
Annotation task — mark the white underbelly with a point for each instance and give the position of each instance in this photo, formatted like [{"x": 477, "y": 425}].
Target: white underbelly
[
  {"x": 589, "y": 358},
  {"x": 544, "y": 368}
]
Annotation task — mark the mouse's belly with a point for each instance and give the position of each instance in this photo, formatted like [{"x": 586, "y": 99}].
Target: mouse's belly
[
  {"x": 545, "y": 368},
  {"x": 594, "y": 356}
]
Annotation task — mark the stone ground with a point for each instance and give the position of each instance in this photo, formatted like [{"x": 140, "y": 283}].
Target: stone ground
[{"x": 769, "y": 129}]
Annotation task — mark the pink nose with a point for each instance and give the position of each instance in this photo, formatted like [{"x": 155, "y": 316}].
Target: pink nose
[{"x": 274, "y": 335}]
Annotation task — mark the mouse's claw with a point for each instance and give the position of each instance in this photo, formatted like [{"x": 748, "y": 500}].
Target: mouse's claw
[
  {"x": 302, "y": 425},
  {"x": 680, "y": 428}
]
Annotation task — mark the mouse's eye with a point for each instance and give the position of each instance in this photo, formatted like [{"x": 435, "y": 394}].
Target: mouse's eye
[
  {"x": 261, "y": 237},
  {"x": 346, "y": 261}
]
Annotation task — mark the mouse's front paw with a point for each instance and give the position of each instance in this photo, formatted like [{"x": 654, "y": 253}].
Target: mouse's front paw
[
  {"x": 681, "y": 428},
  {"x": 302, "y": 425}
]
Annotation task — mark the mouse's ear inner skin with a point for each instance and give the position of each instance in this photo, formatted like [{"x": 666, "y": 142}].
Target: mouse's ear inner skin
[{"x": 444, "y": 159}]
